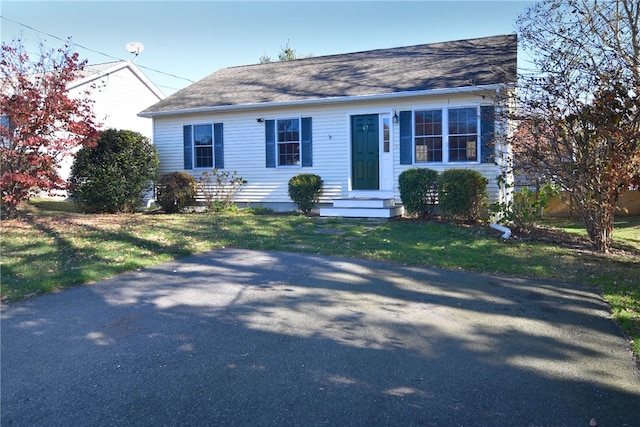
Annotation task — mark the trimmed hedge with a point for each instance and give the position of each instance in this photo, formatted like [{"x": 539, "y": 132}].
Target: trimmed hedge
[
  {"x": 305, "y": 190},
  {"x": 419, "y": 191},
  {"x": 462, "y": 194},
  {"x": 177, "y": 191}
]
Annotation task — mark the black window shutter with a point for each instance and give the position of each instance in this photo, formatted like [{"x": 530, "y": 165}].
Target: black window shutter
[
  {"x": 406, "y": 138},
  {"x": 270, "y": 141},
  {"x": 487, "y": 133},
  {"x": 307, "y": 154},
  {"x": 218, "y": 145},
  {"x": 188, "y": 151}
]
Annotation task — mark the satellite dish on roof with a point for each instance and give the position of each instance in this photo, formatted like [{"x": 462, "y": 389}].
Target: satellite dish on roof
[{"x": 136, "y": 48}]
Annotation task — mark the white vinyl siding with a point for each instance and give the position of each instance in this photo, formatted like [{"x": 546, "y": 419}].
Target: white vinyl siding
[
  {"x": 244, "y": 142},
  {"x": 118, "y": 98}
]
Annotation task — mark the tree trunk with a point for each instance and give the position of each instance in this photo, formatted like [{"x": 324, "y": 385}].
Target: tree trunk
[
  {"x": 601, "y": 234},
  {"x": 598, "y": 220}
]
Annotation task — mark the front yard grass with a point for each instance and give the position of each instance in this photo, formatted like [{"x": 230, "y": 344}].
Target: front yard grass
[{"x": 53, "y": 246}]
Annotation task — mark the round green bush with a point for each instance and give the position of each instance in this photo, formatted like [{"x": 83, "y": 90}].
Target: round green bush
[
  {"x": 419, "y": 191},
  {"x": 116, "y": 174},
  {"x": 462, "y": 194},
  {"x": 177, "y": 191},
  {"x": 305, "y": 190}
]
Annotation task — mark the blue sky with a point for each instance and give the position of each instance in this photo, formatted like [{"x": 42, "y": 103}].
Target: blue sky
[{"x": 185, "y": 41}]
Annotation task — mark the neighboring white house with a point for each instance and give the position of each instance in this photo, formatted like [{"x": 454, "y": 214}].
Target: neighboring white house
[
  {"x": 357, "y": 120},
  {"x": 119, "y": 91}
]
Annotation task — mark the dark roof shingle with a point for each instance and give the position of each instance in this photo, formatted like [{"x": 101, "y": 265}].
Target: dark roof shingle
[{"x": 462, "y": 63}]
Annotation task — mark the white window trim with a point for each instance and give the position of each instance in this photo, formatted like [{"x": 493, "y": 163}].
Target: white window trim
[
  {"x": 445, "y": 134},
  {"x": 193, "y": 147},
  {"x": 278, "y": 165},
  {"x": 445, "y": 155}
]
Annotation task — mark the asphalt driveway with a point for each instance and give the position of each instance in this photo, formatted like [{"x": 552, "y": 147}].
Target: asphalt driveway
[{"x": 236, "y": 337}]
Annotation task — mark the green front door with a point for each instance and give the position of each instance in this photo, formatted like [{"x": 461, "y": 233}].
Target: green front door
[{"x": 365, "y": 152}]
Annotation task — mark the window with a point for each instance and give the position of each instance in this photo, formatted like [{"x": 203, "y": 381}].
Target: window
[
  {"x": 428, "y": 133},
  {"x": 288, "y": 142},
  {"x": 288, "y": 138},
  {"x": 203, "y": 146},
  {"x": 463, "y": 135},
  {"x": 5, "y": 123},
  {"x": 386, "y": 134},
  {"x": 446, "y": 135}
]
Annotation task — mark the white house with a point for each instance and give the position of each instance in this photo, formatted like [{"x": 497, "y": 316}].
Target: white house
[
  {"x": 119, "y": 91},
  {"x": 357, "y": 120}
]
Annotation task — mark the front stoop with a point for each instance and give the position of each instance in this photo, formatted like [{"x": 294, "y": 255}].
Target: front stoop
[{"x": 358, "y": 207}]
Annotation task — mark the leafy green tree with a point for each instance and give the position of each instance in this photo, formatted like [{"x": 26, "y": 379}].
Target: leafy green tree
[
  {"x": 579, "y": 108},
  {"x": 115, "y": 175}
]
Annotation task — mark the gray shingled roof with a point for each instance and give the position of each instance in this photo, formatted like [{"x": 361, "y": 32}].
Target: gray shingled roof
[{"x": 455, "y": 64}]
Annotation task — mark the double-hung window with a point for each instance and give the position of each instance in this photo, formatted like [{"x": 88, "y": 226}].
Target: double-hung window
[
  {"x": 463, "y": 134},
  {"x": 428, "y": 134},
  {"x": 288, "y": 139},
  {"x": 288, "y": 142},
  {"x": 203, "y": 146},
  {"x": 446, "y": 135}
]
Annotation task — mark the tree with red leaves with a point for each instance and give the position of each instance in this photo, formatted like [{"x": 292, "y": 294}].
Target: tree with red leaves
[
  {"x": 40, "y": 123},
  {"x": 578, "y": 112}
]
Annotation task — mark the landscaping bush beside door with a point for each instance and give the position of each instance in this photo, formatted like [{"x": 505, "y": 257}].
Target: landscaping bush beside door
[
  {"x": 462, "y": 194},
  {"x": 305, "y": 190},
  {"x": 419, "y": 191}
]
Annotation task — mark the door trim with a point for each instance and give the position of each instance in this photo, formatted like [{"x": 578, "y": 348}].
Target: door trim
[
  {"x": 369, "y": 172},
  {"x": 385, "y": 168}
]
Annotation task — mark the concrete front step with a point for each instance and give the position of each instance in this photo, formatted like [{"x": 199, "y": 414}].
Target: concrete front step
[
  {"x": 363, "y": 208},
  {"x": 364, "y": 202}
]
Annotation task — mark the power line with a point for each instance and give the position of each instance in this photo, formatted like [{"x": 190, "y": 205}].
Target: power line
[{"x": 95, "y": 51}]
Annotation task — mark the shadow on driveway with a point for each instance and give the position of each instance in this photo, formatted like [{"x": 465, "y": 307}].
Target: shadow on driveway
[{"x": 237, "y": 337}]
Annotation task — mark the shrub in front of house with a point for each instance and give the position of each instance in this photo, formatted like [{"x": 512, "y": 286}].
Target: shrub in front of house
[
  {"x": 219, "y": 188},
  {"x": 177, "y": 191},
  {"x": 526, "y": 208},
  {"x": 305, "y": 190},
  {"x": 116, "y": 174},
  {"x": 419, "y": 191},
  {"x": 462, "y": 194}
]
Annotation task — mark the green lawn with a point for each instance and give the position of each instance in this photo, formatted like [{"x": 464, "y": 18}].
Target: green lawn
[{"x": 53, "y": 246}]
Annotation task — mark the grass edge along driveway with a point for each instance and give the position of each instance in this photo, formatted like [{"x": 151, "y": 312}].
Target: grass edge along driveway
[{"x": 52, "y": 246}]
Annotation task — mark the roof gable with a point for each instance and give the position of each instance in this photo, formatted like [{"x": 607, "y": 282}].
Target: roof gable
[
  {"x": 456, "y": 64},
  {"x": 91, "y": 73}
]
